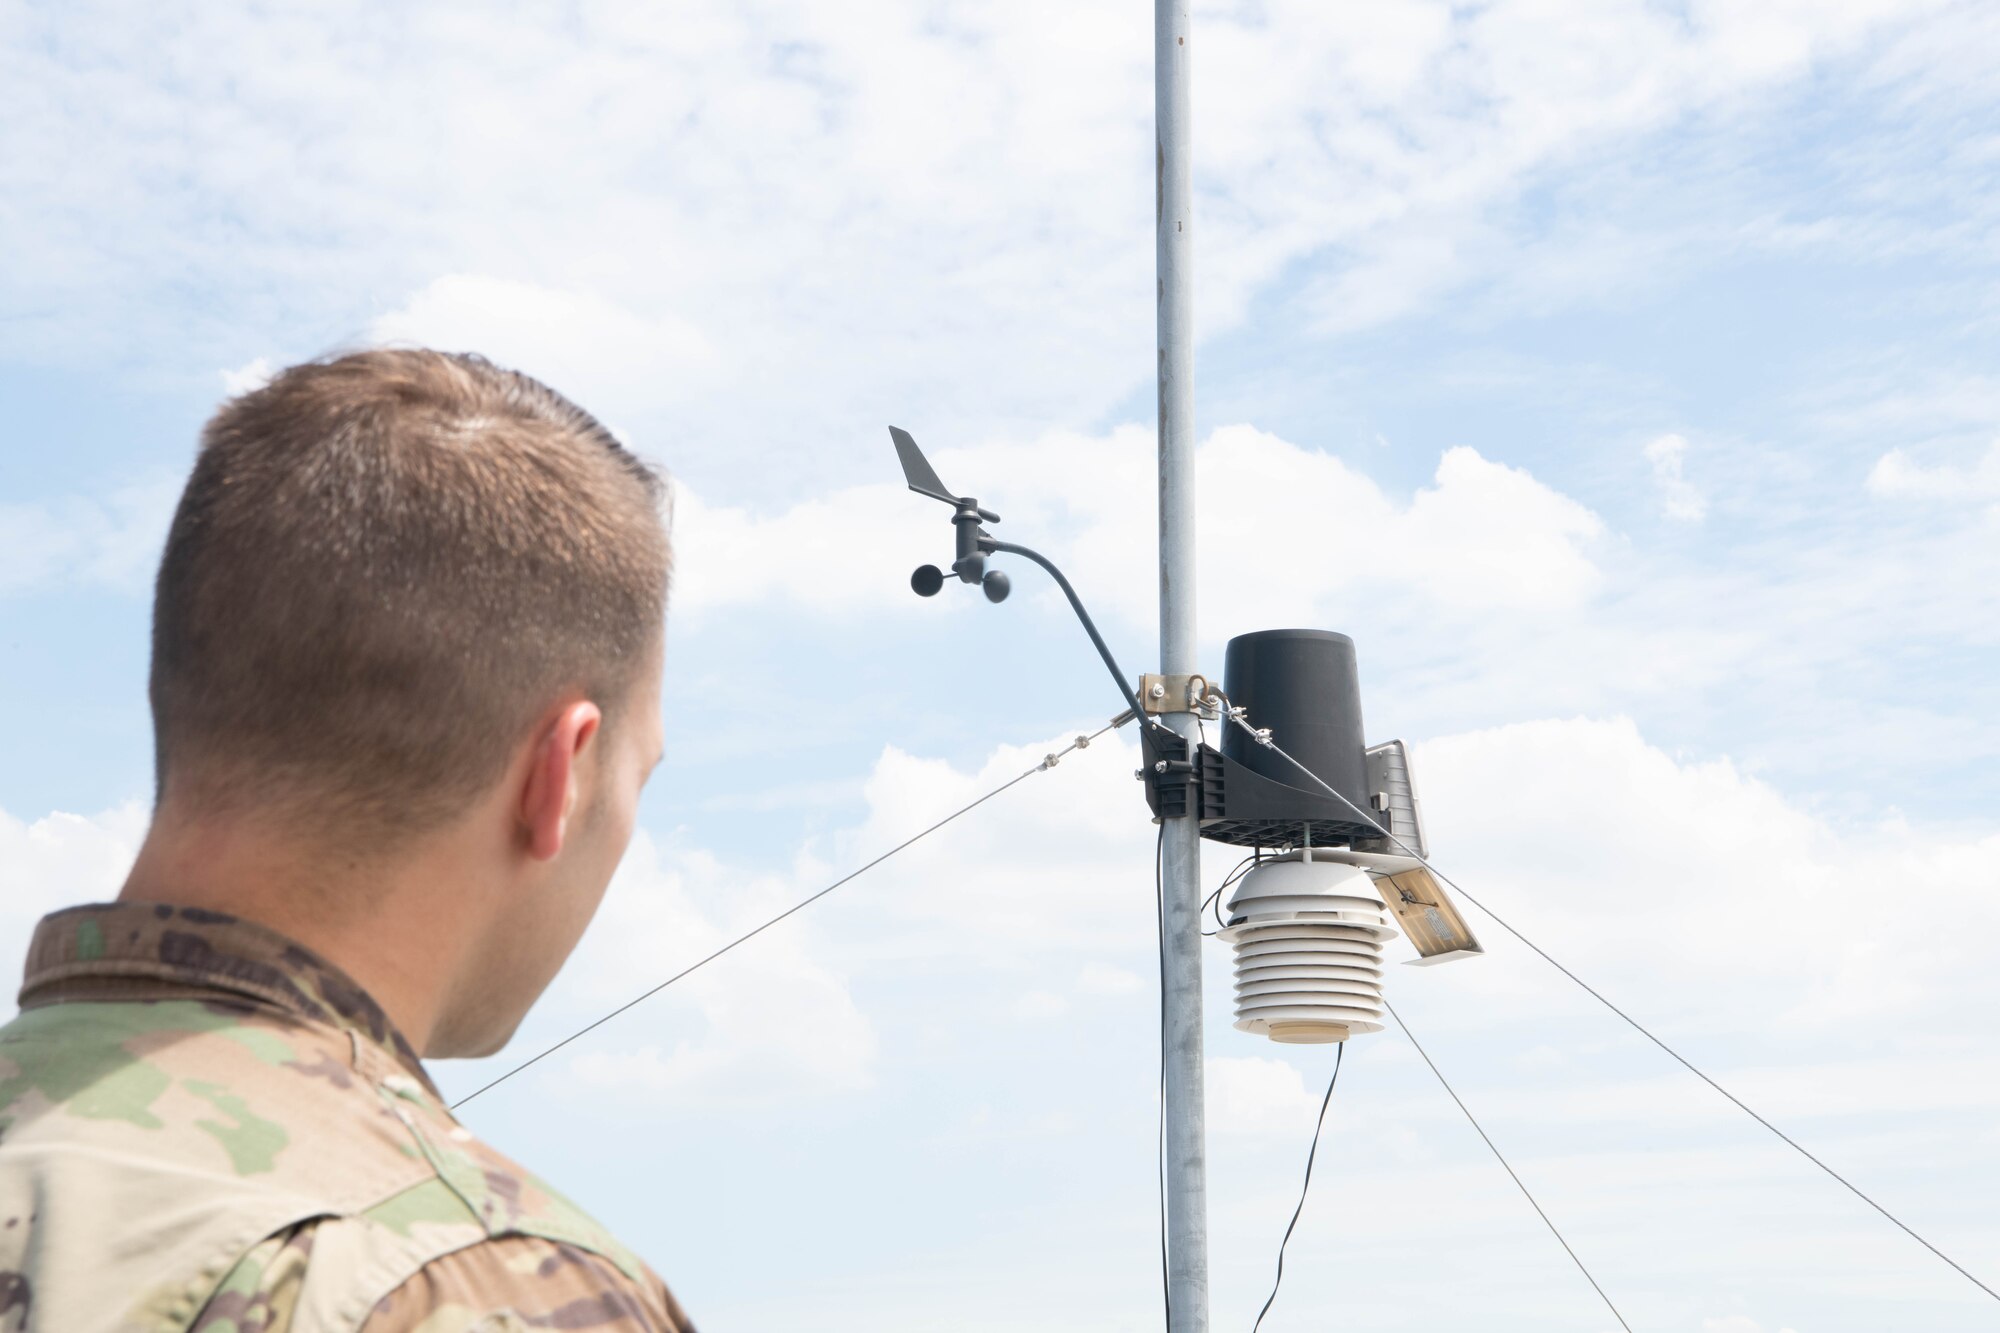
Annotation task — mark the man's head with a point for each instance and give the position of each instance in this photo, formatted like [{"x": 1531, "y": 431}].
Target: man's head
[{"x": 407, "y": 597}]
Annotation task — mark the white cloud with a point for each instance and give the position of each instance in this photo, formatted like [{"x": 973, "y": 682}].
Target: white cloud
[
  {"x": 1679, "y": 499},
  {"x": 864, "y": 209},
  {"x": 59, "y": 860},
  {"x": 1290, "y": 533},
  {"x": 252, "y": 374},
  {"x": 1700, "y": 889},
  {"x": 1491, "y": 535},
  {"x": 1897, "y": 475},
  {"x": 1287, "y": 532},
  {"x": 1439, "y": 115},
  {"x": 585, "y": 345},
  {"x": 1048, "y": 864},
  {"x": 854, "y": 548},
  {"x": 1253, "y": 1095},
  {"x": 767, "y": 1021}
]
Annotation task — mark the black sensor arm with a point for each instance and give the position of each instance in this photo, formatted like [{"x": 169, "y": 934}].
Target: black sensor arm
[
  {"x": 975, "y": 543},
  {"x": 1076, "y": 605}
]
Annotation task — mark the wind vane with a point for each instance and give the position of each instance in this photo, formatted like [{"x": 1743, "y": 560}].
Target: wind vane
[{"x": 970, "y": 564}]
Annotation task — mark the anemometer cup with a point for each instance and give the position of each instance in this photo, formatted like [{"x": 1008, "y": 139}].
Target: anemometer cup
[{"x": 928, "y": 580}]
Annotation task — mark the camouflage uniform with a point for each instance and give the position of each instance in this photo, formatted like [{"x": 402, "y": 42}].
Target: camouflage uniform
[{"x": 205, "y": 1127}]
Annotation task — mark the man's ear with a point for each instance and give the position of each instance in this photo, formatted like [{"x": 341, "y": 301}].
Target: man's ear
[{"x": 550, "y": 794}]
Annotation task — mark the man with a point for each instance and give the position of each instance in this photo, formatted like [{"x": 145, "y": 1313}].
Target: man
[{"x": 407, "y": 642}]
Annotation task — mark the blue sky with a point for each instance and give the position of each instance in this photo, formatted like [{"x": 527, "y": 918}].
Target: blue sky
[{"x": 1620, "y": 376}]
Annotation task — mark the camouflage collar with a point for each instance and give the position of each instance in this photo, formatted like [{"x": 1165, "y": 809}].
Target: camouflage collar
[{"x": 131, "y": 951}]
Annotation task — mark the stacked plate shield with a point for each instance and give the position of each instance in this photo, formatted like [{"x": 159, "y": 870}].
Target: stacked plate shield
[{"x": 1308, "y": 938}]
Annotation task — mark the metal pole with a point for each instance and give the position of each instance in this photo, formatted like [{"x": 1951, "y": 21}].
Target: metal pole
[{"x": 1187, "y": 1168}]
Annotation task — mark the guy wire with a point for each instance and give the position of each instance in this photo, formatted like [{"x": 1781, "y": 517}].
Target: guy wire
[
  {"x": 1508, "y": 1168},
  {"x": 1048, "y": 761}
]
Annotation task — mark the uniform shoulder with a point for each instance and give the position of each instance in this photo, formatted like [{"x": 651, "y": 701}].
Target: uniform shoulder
[
  {"x": 523, "y": 1282},
  {"x": 501, "y": 1195},
  {"x": 492, "y": 1286},
  {"x": 202, "y": 1086},
  {"x": 478, "y": 1242}
]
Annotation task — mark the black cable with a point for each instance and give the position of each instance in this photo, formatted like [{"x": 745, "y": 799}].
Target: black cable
[
  {"x": 1229, "y": 881},
  {"x": 1502, "y": 1159},
  {"x": 1311, "y": 1153},
  {"x": 1047, "y": 762},
  {"x": 1203, "y": 911},
  {"x": 1264, "y": 738},
  {"x": 1216, "y": 897},
  {"x": 1160, "y": 1140}
]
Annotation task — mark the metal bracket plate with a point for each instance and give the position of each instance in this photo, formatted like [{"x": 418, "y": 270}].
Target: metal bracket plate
[{"x": 1174, "y": 694}]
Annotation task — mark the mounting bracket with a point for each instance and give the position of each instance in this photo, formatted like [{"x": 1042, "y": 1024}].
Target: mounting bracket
[{"x": 1177, "y": 694}]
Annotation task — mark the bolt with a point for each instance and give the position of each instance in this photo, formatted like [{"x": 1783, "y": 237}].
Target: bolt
[{"x": 1158, "y": 691}]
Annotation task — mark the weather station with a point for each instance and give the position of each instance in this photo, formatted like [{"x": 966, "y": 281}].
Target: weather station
[
  {"x": 1337, "y": 850},
  {"x": 1335, "y": 866}
]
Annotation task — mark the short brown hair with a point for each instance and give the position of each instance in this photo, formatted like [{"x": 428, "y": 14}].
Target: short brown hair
[{"x": 384, "y": 566}]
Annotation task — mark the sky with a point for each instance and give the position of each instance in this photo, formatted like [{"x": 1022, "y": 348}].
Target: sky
[{"x": 1618, "y": 375}]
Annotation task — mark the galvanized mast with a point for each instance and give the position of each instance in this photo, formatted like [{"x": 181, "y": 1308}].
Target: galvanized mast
[{"x": 1186, "y": 1161}]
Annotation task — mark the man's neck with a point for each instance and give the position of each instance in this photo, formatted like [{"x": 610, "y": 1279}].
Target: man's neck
[{"x": 365, "y": 917}]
